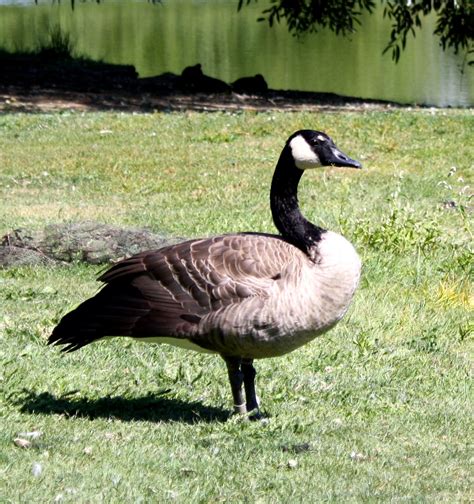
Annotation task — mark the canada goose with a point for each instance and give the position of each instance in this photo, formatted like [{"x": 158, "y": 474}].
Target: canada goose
[{"x": 244, "y": 296}]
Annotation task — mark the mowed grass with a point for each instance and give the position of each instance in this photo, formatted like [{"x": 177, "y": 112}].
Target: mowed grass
[{"x": 379, "y": 409}]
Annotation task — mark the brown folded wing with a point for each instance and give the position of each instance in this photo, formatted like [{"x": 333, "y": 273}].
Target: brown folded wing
[{"x": 167, "y": 292}]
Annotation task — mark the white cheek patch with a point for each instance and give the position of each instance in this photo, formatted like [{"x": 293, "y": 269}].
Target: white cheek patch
[{"x": 303, "y": 155}]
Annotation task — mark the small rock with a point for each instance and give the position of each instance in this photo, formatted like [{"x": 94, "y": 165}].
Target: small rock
[
  {"x": 88, "y": 450},
  {"x": 357, "y": 456},
  {"x": 116, "y": 478},
  {"x": 292, "y": 463},
  {"x": 36, "y": 469},
  {"x": 22, "y": 443}
]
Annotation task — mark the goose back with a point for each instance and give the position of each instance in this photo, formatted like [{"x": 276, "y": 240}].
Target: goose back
[{"x": 248, "y": 295}]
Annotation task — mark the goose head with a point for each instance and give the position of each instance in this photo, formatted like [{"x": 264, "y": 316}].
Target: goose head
[{"x": 312, "y": 149}]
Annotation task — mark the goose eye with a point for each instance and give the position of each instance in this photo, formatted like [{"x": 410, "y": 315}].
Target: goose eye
[{"x": 318, "y": 140}]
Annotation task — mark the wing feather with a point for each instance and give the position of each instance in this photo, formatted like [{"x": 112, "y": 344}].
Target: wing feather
[{"x": 167, "y": 292}]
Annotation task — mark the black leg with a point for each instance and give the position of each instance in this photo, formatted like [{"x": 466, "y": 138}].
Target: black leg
[
  {"x": 236, "y": 379},
  {"x": 249, "y": 383}
]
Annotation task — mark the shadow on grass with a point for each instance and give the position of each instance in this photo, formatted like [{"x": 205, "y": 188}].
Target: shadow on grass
[{"x": 148, "y": 408}]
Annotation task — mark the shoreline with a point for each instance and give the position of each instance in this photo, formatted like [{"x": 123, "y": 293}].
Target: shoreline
[
  {"x": 49, "y": 99},
  {"x": 52, "y": 81}
]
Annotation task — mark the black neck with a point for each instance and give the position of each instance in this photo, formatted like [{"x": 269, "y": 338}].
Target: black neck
[{"x": 284, "y": 205}]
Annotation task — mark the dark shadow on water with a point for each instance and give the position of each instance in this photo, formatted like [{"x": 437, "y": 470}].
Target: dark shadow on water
[{"x": 151, "y": 408}]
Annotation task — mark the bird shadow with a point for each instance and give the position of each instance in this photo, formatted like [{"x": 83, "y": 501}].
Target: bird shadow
[{"x": 151, "y": 407}]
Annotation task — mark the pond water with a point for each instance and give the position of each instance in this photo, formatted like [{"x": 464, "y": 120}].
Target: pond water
[{"x": 167, "y": 37}]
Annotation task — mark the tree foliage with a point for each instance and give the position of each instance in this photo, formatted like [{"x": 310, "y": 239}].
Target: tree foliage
[{"x": 454, "y": 25}]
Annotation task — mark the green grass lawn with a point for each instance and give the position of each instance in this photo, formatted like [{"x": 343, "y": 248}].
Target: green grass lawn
[{"x": 379, "y": 409}]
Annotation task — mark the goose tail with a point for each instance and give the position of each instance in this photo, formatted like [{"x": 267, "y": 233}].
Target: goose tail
[{"x": 105, "y": 314}]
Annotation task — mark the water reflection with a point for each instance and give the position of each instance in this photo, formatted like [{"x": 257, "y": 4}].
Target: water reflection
[{"x": 179, "y": 33}]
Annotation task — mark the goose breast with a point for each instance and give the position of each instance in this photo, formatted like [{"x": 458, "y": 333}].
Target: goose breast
[{"x": 302, "y": 299}]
